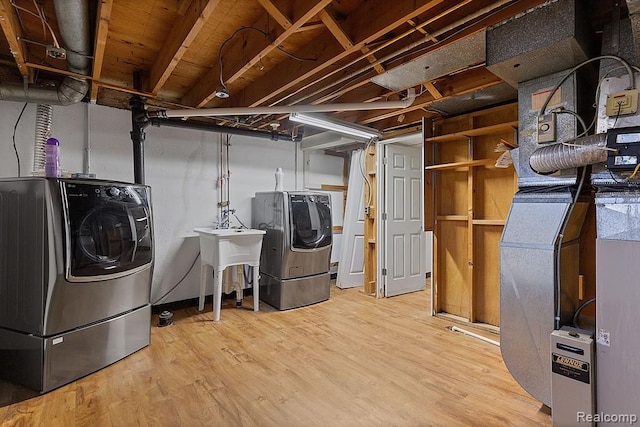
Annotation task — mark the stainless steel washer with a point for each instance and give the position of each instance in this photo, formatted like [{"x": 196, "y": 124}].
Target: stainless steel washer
[{"x": 296, "y": 249}]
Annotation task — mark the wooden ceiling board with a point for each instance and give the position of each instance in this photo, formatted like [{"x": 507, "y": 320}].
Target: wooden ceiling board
[
  {"x": 182, "y": 79},
  {"x": 380, "y": 22},
  {"x": 135, "y": 36},
  {"x": 174, "y": 44},
  {"x": 252, "y": 52},
  {"x": 228, "y": 16}
]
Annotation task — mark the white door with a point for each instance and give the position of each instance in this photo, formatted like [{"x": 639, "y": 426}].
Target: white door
[
  {"x": 351, "y": 266},
  {"x": 405, "y": 269}
]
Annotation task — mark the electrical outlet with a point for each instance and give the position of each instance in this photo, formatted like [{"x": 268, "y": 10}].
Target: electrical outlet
[
  {"x": 622, "y": 103},
  {"x": 546, "y": 128}
]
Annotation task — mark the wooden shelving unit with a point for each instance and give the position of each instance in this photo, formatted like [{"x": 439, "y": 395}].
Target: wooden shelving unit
[
  {"x": 370, "y": 224},
  {"x": 467, "y": 200}
]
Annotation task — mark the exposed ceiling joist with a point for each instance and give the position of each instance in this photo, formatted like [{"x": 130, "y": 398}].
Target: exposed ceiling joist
[
  {"x": 176, "y": 46},
  {"x": 276, "y": 14},
  {"x": 13, "y": 32},
  {"x": 343, "y": 39},
  {"x": 100, "y": 42},
  {"x": 178, "y": 40},
  {"x": 237, "y": 66},
  {"x": 381, "y": 20}
]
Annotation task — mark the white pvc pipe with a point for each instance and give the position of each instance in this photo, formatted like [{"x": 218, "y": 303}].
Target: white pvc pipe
[
  {"x": 286, "y": 109},
  {"x": 472, "y": 334}
]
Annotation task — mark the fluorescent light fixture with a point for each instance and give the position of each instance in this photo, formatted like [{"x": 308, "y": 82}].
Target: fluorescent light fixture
[{"x": 335, "y": 125}]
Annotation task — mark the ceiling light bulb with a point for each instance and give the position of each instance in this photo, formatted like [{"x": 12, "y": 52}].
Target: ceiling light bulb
[{"x": 222, "y": 93}]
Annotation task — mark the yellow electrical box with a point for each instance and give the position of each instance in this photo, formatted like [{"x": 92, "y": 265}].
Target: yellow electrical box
[{"x": 622, "y": 103}]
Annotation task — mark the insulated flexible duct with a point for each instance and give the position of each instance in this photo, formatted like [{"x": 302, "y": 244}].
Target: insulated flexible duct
[
  {"x": 44, "y": 115},
  {"x": 579, "y": 152}
]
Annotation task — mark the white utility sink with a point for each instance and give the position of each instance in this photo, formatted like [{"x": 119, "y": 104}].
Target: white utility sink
[{"x": 221, "y": 248}]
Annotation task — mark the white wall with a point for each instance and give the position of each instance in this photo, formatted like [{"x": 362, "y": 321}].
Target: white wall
[
  {"x": 327, "y": 170},
  {"x": 181, "y": 168}
]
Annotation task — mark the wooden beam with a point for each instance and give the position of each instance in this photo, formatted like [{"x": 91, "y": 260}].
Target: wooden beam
[
  {"x": 370, "y": 22},
  {"x": 179, "y": 40},
  {"x": 273, "y": 84},
  {"x": 275, "y": 13},
  {"x": 458, "y": 165},
  {"x": 335, "y": 30},
  {"x": 204, "y": 91},
  {"x": 311, "y": 26},
  {"x": 102, "y": 30},
  {"x": 464, "y": 83},
  {"x": 432, "y": 90},
  {"x": 313, "y": 11},
  {"x": 420, "y": 27},
  {"x": 13, "y": 33},
  {"x": 347, "y": 68},
  {"x": 331, "y": 187},
  {"x": 421, "y": 30},
  {"x": 183, "y": 5},
  {"x": 343, "y": 39},
  {"x": 373, "y": 60}
]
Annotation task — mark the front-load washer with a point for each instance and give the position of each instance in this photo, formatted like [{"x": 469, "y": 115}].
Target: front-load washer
[
  {"x": 296, "y": 249},
  {"x": 76, "y": 261}
]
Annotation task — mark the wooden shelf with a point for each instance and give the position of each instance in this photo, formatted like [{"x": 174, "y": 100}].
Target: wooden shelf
[
  {"x": 468, "y": 210},
  {"x": 498, "y": 222},
  {"x": 371, "y": 242},
  {"x": 452, "y": 218},
  {"x": 328, "y": 187},
  {"x": 446, "y": 166},
  {"x": 487, "y": 130}
]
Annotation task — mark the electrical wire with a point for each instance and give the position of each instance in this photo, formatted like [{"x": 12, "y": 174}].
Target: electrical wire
[
  {"x": 580, "y": 65},
  {"x": 593, "y": 147},
  {"x": 576, "y": 314},
  {"x": 363, "y": 172},
  {"x": 617, "y": 113},
  {"x": 565, "y": 223},
  {"x": 562, "y": 110},
  {"x": 635, "y": 171},
  {"x": 40, "y": 15},
  {"x": 179, "y": 281},
  {"x": 15, "y": 127},
  {"x": 599, "y": 87},
  {"x": 264, "y": 33}
]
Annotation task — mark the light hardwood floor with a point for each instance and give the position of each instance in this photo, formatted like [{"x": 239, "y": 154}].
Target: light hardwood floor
[{"x": 350, "y": 361}]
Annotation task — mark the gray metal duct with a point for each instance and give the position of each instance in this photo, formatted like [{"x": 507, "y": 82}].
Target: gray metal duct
[{"x": 73, "y": 21}]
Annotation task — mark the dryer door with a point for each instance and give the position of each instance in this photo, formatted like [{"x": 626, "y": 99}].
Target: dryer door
[
  {"x": 108, "y": 231},
  {"x": 310, "y": 221}
]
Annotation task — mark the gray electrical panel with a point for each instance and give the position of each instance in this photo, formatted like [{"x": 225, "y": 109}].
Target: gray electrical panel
[{"x": 572, "y": 378}]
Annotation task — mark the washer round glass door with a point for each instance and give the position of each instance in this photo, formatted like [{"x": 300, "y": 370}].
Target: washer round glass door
[
  {"x": 108, "y": 230},
  {"x": 310, "y": 221}
]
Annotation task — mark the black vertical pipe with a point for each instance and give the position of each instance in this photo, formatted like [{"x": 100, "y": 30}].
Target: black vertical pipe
[{"x": 138, "y": 123}]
